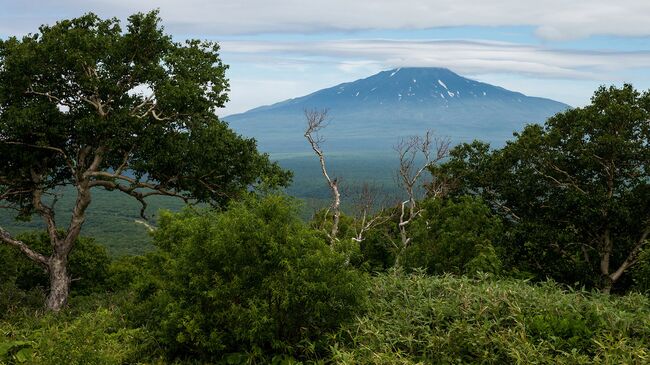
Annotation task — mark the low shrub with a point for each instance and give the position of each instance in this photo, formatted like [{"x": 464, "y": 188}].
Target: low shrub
[{"x": 418, "y": 319}]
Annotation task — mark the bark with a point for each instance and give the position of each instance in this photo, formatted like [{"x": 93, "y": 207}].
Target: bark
[{"x": 59, "y": 283}]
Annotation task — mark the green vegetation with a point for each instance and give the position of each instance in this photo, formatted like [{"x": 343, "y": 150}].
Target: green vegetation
[
  {"x": 85, "y": 105},
  {"x": 408, "y": 319},
  {"x": 252, "y": 281},
  {"x": 533, "y": 253},
  {"x": 575, "y": 193},
  {"x": 419, "y": 319}
]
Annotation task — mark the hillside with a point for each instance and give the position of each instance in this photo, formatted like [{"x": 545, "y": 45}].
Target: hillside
[{"x": 372, "y": 113}]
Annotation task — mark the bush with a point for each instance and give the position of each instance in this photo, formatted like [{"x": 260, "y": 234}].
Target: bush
[
  {"x": 250, "y": 282},
  {"x": 454, "y": 236},
  {"x": 417, "y": 319},
  {"x": 124, "y": 271},
  {"x": 14, "y": 301}
]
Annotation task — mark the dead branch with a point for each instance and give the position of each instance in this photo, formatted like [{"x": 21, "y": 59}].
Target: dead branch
[
  {"x": 316, "y": 120},
  {"x": 409, "y": 150},
  {"x": 364, "y": 205}
]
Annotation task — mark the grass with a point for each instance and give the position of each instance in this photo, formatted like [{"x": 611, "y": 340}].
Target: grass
[
  {"x": 419, "y": 319},
  {"x": 410, "y": 319}
]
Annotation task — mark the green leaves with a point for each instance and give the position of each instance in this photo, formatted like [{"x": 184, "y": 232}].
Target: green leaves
[
  {"x": 83, "y": 89},
  {"x": 574, "y": 192},
  {"x": 18, "y": 352},
  {"x": 251, "y": 277}
]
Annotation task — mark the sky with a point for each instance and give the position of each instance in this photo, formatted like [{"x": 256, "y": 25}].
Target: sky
[{"x": 279, "y": 49}]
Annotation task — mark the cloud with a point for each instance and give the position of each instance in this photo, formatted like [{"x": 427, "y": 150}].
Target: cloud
[
  {"x": 260, "y": 67},
  {"x": 467, "y": 57},
  {"x": 552, "y": 19}
]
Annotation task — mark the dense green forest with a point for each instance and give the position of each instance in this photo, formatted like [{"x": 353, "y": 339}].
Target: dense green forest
[{"x": 535, "y": 252}]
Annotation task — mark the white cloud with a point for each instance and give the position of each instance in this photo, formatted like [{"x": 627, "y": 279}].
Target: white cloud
[
  {"x": 553, "y": 19},
  {"x": 473, "y": 57},
  {"x": 570, "y": 76}
]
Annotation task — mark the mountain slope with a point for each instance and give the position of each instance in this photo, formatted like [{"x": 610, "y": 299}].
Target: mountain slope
[{"x": 372, "y": 113}]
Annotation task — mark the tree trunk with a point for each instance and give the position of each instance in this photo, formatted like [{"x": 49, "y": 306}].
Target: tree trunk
[
  {"x": 59, "y": 283},
  {"x": 607, "y": 287}
]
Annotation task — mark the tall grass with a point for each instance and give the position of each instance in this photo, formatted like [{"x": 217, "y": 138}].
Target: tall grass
[{"x": 419, "y": 319}]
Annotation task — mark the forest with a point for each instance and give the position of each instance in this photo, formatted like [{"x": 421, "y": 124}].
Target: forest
[{"x": 536, "y": 252}]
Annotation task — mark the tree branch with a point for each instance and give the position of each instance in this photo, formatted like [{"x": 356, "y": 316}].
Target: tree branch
[
  {"x": 316, "y": 120},
  {"x": 70, "y": 163},
  {"x": 633, "y": 255},
  {"x": 31, "y": 254}
]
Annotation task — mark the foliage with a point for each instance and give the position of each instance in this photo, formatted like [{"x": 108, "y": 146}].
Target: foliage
[
  {"x": 124, "y": 272},
  {"x": 251, "y": 281},
  {"x": 14, "y": 301},
  {"x": 455, "y": 237},
  {"x": 94, "y": 337},
  {"x": 418, "y": 319},
  {"x": 85, "y": 104},
  {"x": 88, "y": 264},
  {"x": 641, "y": 273},
  {"x": 79, "y": 84},
  {"x": 575, "y": 192}
]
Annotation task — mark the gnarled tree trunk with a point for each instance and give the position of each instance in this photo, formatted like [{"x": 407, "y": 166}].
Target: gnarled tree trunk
[{"x": 59, "y": 282}]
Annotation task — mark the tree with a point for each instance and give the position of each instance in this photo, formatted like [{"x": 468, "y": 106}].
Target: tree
[
  {"x": 409, "y": 174},
  {"x": 84, "y": 104},
  {"x": 317, "y": 120},
  {"x": 575, "y": 191}
]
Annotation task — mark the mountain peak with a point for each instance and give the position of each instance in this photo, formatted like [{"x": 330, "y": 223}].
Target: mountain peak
[
  {"x": 399, "y": 102},
  {"x": 414, "y": 71}
]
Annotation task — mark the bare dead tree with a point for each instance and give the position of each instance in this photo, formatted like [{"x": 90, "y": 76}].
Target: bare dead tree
[
  {"x": 317, "y": 120},
  {"x": 431, "y": 151},
  {"x": 364, "y": 204}
]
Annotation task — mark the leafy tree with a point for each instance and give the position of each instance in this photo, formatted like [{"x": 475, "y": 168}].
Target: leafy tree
[
  {"x": 84, "y": 103},
  {"x": 252, "y": 279},
  {"x": 456, "y": 237},
  {"x": 576, "y": 191}
]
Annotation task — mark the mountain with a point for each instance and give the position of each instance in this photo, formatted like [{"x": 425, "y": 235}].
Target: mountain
[{"x": 371, "y": 114}]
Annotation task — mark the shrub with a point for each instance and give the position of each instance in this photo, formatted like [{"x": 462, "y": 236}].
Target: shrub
[
  {"x": 417, "y": 319},
  {"x": 249, "y": 282},
  {"x": 454, "y": 236}
]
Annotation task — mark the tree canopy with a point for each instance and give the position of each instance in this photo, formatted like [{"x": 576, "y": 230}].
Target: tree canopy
[
  {"x": 576, "y": 190},
  {"x": 84, "y": 103}
]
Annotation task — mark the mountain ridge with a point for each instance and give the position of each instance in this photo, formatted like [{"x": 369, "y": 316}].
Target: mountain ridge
[{"x": 370, "y": 113}]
